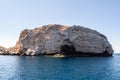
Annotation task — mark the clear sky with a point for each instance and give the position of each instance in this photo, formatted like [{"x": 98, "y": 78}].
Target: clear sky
[{"x": 101, "y": 15}]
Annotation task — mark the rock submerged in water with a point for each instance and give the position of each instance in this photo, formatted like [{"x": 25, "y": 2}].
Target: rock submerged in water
[{"x": 60, "y": 39}]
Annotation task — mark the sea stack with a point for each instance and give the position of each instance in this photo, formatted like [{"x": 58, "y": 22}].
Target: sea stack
[{"x": 60, "y": 39}]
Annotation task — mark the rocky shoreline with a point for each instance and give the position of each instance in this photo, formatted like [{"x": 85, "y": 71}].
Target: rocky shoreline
[{"x": 60, "y": 40}]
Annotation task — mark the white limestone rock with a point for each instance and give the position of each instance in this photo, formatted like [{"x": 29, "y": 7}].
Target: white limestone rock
[{"x": 52, "y": 39}]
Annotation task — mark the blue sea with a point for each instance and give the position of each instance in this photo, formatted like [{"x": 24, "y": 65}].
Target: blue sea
[{"x": 50, "y": 68}]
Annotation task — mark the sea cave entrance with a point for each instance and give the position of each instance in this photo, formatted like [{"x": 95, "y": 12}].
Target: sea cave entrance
[{"x": 68, "y": 50}]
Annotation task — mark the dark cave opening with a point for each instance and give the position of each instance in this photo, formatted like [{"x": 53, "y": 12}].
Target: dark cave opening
[{"x": 68, "y": 50}]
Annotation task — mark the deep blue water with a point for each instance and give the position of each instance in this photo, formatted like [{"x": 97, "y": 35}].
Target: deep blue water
[{"x": 49, "y": 68}]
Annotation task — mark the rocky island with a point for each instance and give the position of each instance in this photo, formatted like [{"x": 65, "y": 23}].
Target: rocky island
[{"x": 60, "y": 40}]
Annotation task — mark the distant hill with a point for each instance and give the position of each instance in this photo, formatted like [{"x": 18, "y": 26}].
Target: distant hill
[{"x": 2, "y": 49}]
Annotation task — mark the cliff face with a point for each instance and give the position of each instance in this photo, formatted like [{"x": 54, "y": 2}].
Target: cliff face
[
  {"x": 3, "y": 50},
  {"x": 52, "y": 39}
]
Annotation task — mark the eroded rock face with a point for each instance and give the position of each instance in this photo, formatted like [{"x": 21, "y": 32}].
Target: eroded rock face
[
  {"x": 3, "y": 50},
  {"x": 52, "y": 39}
]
